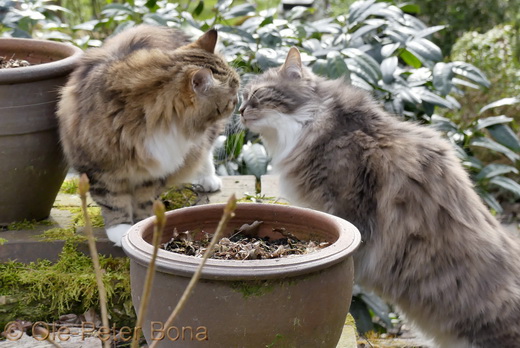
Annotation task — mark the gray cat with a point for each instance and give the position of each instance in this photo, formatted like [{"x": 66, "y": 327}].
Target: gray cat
[{"x": 430, "y": 246}]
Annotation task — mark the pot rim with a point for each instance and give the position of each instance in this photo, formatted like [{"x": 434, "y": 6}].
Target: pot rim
[
  {"x": 40, "y": 71},
  {"x": 182, "y": 265}
]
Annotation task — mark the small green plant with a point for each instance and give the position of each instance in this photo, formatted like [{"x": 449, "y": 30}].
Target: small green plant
[
  {"x": 44, "y": 290},
  {"x": 22, "y": 225},
  {"x": 69, "y": 186},
  {"x": 492, "y": 133}
]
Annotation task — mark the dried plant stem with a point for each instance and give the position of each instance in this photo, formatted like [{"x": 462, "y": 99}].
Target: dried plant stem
[
  {"x": 229, "y": 212},
  {"x": 160, "y": 221},
  {"x": 83, "y": 188}
]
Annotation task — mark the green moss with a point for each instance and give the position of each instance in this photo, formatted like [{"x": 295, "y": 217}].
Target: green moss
[
  {"x": 44, "y": 290},
  {"x": 3, "y": 241},
  {"x": 22, "y": 225},
  {"x": 277, "y": 342},
  {"x": 70, "y": 186},
  {"x": 68, "y": 234},
  {"x": 253, "y": 287},
  {"x": 181, "y": 197},
  {"x": 27, "y": 224},
  {"x": 78, "y": 219}
]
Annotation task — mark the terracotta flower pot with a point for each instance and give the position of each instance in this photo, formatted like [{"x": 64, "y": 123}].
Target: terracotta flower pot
[
  {"x": 298, "y": 301},
  {"x": 32, "y": 165}
]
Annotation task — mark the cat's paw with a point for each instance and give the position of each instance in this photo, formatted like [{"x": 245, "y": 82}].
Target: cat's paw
[
  {"x": 117, "y": 232},
  {"x": 208, "y": 183}
]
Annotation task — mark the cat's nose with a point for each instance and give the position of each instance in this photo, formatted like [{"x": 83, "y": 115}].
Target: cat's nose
[{"x": 241, "y": 109}]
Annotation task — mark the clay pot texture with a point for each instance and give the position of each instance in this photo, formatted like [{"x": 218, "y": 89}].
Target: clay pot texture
[
  {"x": 298, "y": 301},
  {"x": 32, "y": 166}
]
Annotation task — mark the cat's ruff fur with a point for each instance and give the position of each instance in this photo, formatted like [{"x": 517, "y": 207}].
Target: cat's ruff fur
[
  {"x": 430, "y": 246},
  {"x": 141, "y": 113}
]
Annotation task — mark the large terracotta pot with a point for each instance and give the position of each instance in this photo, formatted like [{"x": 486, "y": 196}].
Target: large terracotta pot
[
  {"x": 299, "y": 301},
  {"x": 32, "y": 164}
]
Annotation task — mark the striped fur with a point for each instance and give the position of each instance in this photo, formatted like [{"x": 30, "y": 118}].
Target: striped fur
[
  {"x": 430, "y": 246},
  {"x": 141, "y": 113}
]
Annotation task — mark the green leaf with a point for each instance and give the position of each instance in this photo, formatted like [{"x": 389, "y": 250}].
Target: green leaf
[
  {"x": 368, "y": 65},
  {"x": 409, "y": 96},
  {"x": 56, "y": 8},
  {"x": 457, "y": 81},
  {"x": 442, "y": 75},
  {"x": 410, "y": 59},
  {"x": 493, "y": 145},
  {"x": 501, "y": 102},
  {"x": 155, "y": 19},
  {"x": 361, "y": 314},
  {"x": 268, "y": 58},
  {"x": 504, "y": 135},
  {"x": 239, "y": 11},
  {"x": 198, "y": 10},
  {"x": 357, "y": 9},
  {"x": 223, "y": 5},
  {"x": 388, "y": 67},
  {"x": 425, "y": 49},
  {"x": 432, "y": 98},
  {"x": 388, "y": 50},
  {"x": 444, "y": 124},
  {"x": 88, "y": 26},
  {"x": 255, "y": 159},
  {"x": 492, "y": 170},
  {"x": 320, "y": 67},
  {"x": 410, "y": 8},
  {"x": 112, "y": 9},
  {"x": 233, "y": 144},
  {"x": 244, "y": 35},
  {"x": 419, "y": 77},
  {"x": 151, "y": 4},
  {"x": 397, "y": 35},
  {"x": 470, "y": 72},
  {"x": 336, "y": 66},
  {"x": 469, "y": 162},
  {"x": 123, "y": 26},
  {"x": 364, "y": 30},
  {"x": 490, "y": 200},
  {"x": 428, "y": 31},
  {"x": 490, "y": 121},
  {"x": 507, "y": 184}
]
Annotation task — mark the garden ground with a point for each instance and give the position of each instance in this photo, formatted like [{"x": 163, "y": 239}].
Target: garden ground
[{"x": 24, "y": 244}]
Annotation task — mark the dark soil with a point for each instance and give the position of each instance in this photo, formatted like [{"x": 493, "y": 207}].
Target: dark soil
[
  {"x": 7, "y": 63},
  {"x": 243, "y": 244}
]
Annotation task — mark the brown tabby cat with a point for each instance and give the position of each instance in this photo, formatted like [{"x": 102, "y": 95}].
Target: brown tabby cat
[
  {"x": 430, "y": 246},
  {"x": 141, "y": 113}
]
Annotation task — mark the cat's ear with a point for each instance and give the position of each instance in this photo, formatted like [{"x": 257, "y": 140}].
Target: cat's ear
[
  {"x": 202, "y": 80},
  {"x": 208, "y": 41},
  {"x": 292, "y": 68}
]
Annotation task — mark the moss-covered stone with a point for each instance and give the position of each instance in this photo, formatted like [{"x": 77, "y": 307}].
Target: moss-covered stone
[
  {"x": 44, "y": 290},
  {"x": 180, "y": 197},
  {"x": 68, "y": 234}
]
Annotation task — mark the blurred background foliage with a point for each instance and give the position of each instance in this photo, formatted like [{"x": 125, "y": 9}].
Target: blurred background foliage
[
  {"x": 433, "y": 64},
  {"x": 453, "y": 65}
]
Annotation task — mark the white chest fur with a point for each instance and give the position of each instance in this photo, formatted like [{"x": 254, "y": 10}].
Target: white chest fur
[{"x": 168, "y": 149}]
